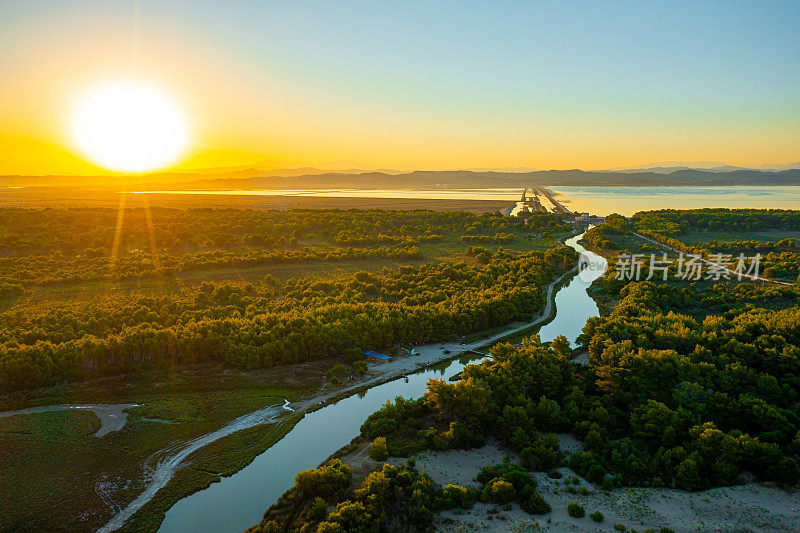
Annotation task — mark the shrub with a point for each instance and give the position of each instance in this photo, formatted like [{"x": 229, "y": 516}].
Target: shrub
[
  {"x": 539, "y": 457},
  {"x": 353, "y": 355},
  {"x": 457, "y": 496},
  {"x": 499, "y": 491},
  {"x": 378, "y": 449},
  {"x": 335, "y": 371},
  {"x": 535, "y": 504},
  {"x": 665, "y": 530},
  {"x": 458, "y": 436},
  {"x": 318, "y": 509},
  {"x": 360, "y": 368},
  {"x": 620, "y": 527},
  {"x": 328, "y": 480},
  {"x": 597, "y": 516},
  {"x": 575, "y": 510},
  {"x": 330, "y": 527},
  {"x": 554, "y": 474}
]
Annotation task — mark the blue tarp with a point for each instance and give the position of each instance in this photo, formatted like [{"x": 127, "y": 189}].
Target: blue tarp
[{"x": 377, "y": 355}]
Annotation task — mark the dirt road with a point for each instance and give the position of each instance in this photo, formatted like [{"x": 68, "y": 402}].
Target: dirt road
[
  {"x": 379, "y": 373},
  {"x": 112, "y": 416}
]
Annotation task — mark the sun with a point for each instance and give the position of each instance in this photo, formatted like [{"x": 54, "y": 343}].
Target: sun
[{"x": 129, "y": 127}]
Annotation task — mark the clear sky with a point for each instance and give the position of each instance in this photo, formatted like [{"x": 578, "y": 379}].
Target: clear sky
[{"x": 459, "y": 84}]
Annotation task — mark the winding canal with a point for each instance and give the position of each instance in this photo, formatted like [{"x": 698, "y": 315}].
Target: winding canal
[{"x": 239, "y": 501}]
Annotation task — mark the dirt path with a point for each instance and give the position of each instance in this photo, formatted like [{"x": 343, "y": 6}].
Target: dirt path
[
  {"x": 430, "y": 354},
  {"x": 112, "y": 416},
  {"x": 167, "y": 467}
]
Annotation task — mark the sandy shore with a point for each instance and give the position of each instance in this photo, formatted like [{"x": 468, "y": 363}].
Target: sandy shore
[{"x": 749, "y": 507}]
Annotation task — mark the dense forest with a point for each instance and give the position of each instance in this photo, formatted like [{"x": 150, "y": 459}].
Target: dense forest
[
  {"x": 667, "y": 400},
  {"x": 687, "y": 385},
  {"x": 258, "y": 325},
  {"x": 49, "y": 246}
]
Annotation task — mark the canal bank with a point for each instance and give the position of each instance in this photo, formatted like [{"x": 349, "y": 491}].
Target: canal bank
[{"x": 332, "y": 419}]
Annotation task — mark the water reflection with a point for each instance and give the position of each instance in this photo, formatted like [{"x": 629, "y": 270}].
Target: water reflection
[{"x": 240, "y": 500}]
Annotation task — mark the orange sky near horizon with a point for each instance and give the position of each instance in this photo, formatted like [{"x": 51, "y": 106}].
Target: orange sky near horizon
[{"x": 259, "y": 96}]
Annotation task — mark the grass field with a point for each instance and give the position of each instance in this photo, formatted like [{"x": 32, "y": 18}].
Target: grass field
[
  {"x": 221, "y": 458},
  {"x": 62, "y": 477}
]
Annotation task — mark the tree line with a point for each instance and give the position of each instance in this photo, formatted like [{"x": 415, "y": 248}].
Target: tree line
[
  {"x": 667, "y": 400},
  {"x": 246, "y": 325},
  {"x": 47, "y": 246}
]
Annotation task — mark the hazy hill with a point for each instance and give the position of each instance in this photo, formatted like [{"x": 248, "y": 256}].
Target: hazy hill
[
  {"x": 314, "y": 179},
  {"x": 468, "y": 179}
]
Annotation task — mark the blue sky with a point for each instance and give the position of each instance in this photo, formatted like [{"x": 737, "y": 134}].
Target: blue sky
[{"x": 594, "y": 77}]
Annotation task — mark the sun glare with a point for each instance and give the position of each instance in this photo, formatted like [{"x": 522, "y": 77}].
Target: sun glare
[{"x": 129, "y": 127}]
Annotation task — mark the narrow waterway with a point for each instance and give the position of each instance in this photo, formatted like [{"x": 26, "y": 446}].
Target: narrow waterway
[
  {"x": 239, "y": 501},
  {"x": 573, "y": 305}
]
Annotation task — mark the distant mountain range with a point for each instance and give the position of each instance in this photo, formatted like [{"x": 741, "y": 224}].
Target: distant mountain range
[
  {"x": 667, "y": 167},
  {"x": 456, "y": 179},
  {"x": 313, "y": 178}
]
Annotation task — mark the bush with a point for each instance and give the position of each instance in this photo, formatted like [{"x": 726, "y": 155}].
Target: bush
[
  {"x": 620, "y": 527},
  {"x": 575, "y": 510},
  {"x": 665, "y": 530},
  {"x": 456, "y": 496},
  {"x": 597, "y": 516},
  {"x": 328, "y": 480},
  {"x": 539, "y": 457},
  {"x": 353, "y": 355},
  {"x": 360, "y": 368},
  {"x": 330, "y": 527},
  {"x": 378, "y": 449},
  {"x": 318, "y": 509},
  {"x": 458, "y": 436},
  {"x": 535, "y": 504},
  {"x": 554, "y": 474},
  {"x": 499, "y": 491}
]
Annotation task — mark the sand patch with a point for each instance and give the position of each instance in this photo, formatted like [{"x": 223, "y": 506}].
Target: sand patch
[
  {"x": 458, "y": 467},
  {"x": 749, "y": 507}
]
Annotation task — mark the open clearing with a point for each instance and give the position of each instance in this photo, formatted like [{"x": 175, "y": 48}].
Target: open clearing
[{"x": 748, "y": 507}]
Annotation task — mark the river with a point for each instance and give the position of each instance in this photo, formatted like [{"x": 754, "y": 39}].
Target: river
[{"x": 239, "y": 501}]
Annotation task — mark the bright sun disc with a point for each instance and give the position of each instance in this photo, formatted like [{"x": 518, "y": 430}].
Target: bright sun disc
[{"x": 129, "y": 128}]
